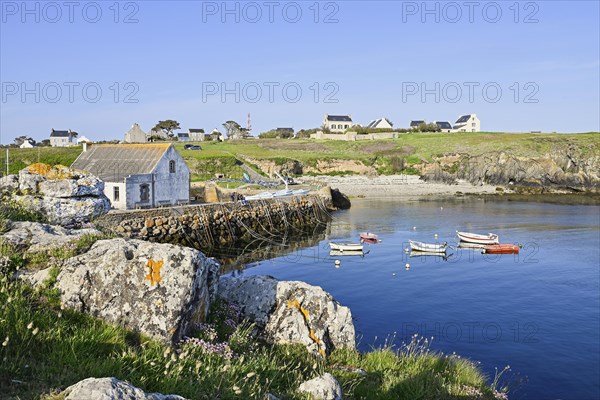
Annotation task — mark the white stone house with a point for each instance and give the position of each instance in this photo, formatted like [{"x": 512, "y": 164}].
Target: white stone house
[
  {"x": 467, "y": 123},
  {"x": 138, "y": 175},
  {"x": 381, "y": 123},
  {"x": 337, "y": 123},
  {"x": 414, "y": 124},
  {"x": 135, "y": 135},
  {"x": 444, "y": 126},
  {"x": 26, "y": 144},
  {"x": 62, "y": 138},
  {"x": 197, "y": 135}
]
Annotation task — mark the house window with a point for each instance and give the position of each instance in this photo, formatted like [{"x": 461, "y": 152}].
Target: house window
[
  {"x": 473, "y": 124},
  {"x": 346, "y": 126},
  {"x": 172, "y": 166},
  {"x": 116, "y": 193},
  {"x": 144, "y": 193}
]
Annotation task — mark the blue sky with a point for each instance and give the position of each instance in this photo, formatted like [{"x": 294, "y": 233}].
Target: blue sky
[{"x": 402, "y": 60}]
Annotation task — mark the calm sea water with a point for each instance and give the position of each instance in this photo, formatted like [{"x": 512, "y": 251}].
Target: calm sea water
[{"x": 537, "y": 312}]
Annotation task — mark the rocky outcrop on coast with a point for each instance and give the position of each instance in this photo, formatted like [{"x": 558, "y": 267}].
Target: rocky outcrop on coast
[
  {"x": 35, "y": 237},
  {"x": 110, "y": 389},
  {"x": 59, "y": 194},
  {"x": 564, "y": 169},
  {"x": 159, "y": 290},
  {"x": 324, "y": 387},
  {"x": 292, "y": 312}
]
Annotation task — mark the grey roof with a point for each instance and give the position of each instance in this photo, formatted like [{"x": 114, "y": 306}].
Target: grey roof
[
  {"x": 376, "y": 122},
  {"x": 60, "y": 133},
  {"x": 459, "y": 126},
  {"x": 416, "y": 123},
  {"x": 443, "y": 124},
  {"x": 462, "y": 119},
  {"x": 115, "y": 162},
  {"x": 285, "y": 130},
  {"x": 339, "y": 118},
  {"x": 193, "y": 130},
  {"x": 183, "y": 134}
]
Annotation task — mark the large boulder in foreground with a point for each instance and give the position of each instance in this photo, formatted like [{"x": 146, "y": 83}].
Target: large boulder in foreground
[
  {"x": 292, "y": 312},
  {"x": 324, "y": 387},
  {"x": 157, "y": 289},
  {"x": 36, "y": 237},
  {"x": 111, "y": 389},
  {"x": 63, "y": 196}
]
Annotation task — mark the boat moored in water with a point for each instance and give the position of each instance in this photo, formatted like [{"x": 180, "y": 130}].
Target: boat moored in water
[
  {"x": 368, "y": 236},
  {"x": 346, "y": 246},
  {"x": 336, "y": 253},
  {"x": 490, "y": 238},
  {"x": 427, "y": 247},
  {"x": 501, "y": 249}
]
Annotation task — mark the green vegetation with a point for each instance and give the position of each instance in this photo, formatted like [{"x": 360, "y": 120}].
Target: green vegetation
[
  {"x": 44, "y": 349},
  {"x": 385, "y": 155}
]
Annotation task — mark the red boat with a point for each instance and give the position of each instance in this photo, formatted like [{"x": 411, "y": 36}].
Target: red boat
[
  {"x": 368, "y": 236},
  {"x": 501, "y": 249}
]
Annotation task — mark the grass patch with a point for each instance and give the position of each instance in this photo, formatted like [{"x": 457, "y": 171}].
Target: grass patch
[{"x": 45, "y": 349}]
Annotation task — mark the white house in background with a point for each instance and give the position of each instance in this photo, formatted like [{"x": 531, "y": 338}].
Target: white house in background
[
  {"x": 467, "y": 123},
  {"x": 196, "y": 134},
  {"x": 444, "y": 126},
  {"x": 62, "y": 138},
  {"x": 26, "y": 144},
  {"x": 416, "y": 123},
  {"x": 135, "y": 135},
  {"x": 216, "y": 135},
  {"x": 381, "y": 123},
  {"x": 337, "y": 123},
  {"x": 138, "y": 175},
  {"x": 83, "y": 139},
  {"x": 183, "y": 137}
]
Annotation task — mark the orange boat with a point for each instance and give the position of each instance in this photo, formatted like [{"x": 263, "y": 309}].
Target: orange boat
[{"x": 501, "y": 249}]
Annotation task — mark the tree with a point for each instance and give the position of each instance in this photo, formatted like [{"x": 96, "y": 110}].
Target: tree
[
  {"x": 428, "y": 127},
  {"x": 235, "y": 131},
  {"x": 167, "y": 127}
]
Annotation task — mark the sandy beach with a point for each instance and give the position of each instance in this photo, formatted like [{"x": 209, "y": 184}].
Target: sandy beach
[{"x": 396, "y": 186}]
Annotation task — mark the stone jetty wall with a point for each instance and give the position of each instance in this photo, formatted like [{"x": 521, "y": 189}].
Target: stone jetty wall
[{"x": 222, "y": 224}]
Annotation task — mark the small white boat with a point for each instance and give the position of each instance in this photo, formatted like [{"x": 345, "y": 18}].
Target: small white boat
[
  {"x": 338, "y": 253},
  {"x": 467, "y": 245},
  {"x": 347, "y": 246},
  {"x": 427, "y": 247},
  {"x": 490, "y": 238}
]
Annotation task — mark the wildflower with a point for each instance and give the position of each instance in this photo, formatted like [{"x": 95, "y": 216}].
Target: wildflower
[
  {"x": 59, "y": 314},
  {"x": 152, "y": 363},
  {"x": 173, "y": 357},
  {"x": 35, "y": 331},
  {"x": 250, "y": 375},
  {"x": 30, "y": 325},
  {"x": 5, "y": 343}
]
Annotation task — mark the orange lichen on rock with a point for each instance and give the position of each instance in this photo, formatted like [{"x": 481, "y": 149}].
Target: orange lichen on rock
[
  {"x": 154, "y": 273},
  {"x": 52, "y": 172},
  {"x": 296, "y": 304}
]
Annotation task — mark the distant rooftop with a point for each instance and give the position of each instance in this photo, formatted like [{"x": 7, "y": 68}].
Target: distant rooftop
[
  {"x": 60, "y": 133},
  {"x": 443, "y": 124},
  {"x": 339, "y": 118},
  {"x": 463, "y": 119},
  {"x": 416, "y": 123}
]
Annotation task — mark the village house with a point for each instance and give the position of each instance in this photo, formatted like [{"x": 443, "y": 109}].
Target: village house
[
  {"x": 444, "y": 126},
  {"x": 62, "y": 138},
  {"x": 135, "y": 135},
  {"x": 138, "y": 175},
  {"x": 183, "y": 137},
  {"x": 467, "y": 123},
  {"x": 337, "y": 123},
  {"x": 416, "y": 123},
  {"x": 197, "y": 135},
  {"x": 27, "y": 144},
  {"x": 381, "y": 123}
]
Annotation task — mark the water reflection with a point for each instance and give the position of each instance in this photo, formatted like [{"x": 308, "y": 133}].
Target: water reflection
[{"x": 235, "y": 258}]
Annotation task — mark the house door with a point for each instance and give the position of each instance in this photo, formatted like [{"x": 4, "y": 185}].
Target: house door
[{"x": 144, "y": 193}]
